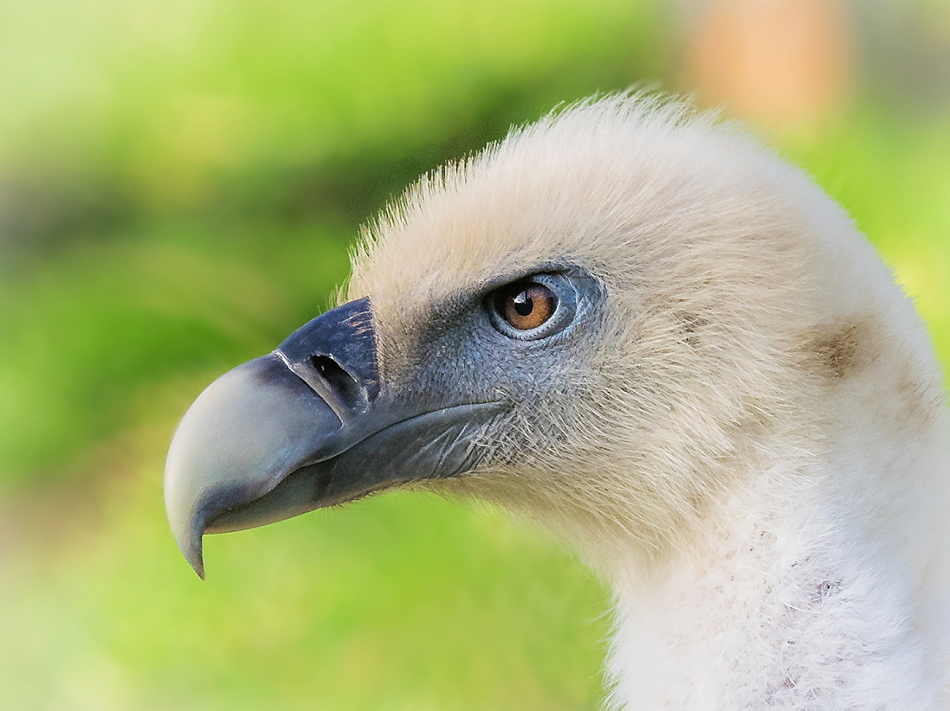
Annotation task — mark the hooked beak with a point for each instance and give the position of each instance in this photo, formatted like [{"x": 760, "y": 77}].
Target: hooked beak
[{"x": 308, "y": 426}]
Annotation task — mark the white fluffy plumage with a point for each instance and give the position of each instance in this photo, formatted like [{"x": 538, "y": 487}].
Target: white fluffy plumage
[{"x": 759, "y": 460}]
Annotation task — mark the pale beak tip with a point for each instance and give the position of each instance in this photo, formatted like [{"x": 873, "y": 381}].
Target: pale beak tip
[
  {"x": 197, "y": 562},
  {"x": 189, "y": 533},
  {"x": 193, "y": 554}
]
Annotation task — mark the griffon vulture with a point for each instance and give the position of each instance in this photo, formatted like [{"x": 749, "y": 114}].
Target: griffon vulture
[{"x": 632, "y": 323}]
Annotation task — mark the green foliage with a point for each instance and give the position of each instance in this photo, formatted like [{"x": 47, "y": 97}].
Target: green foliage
[
  {"x": 401, "y": 602},
  {"x": 179, "y": 183},
  {"x": 167, "y": 104},
  {"x": 163, "y": 176},
  {"x": 84, "y": 330}
]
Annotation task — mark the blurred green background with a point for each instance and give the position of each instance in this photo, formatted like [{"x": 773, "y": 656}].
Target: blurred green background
[{"x": 179, "y": 185}]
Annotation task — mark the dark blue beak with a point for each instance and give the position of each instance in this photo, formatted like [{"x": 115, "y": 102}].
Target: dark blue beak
[{"x": 307, "y": 426}]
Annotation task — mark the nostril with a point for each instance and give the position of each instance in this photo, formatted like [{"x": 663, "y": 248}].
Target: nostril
[{"x": 341, "y": 383}]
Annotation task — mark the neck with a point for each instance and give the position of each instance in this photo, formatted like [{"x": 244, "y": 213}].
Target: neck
[{"x": 789, "y": 598}]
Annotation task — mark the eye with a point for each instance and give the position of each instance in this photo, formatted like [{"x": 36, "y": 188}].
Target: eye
[
  {"x": 534, "y": 307},
  {"x": 525, "y": 306}
]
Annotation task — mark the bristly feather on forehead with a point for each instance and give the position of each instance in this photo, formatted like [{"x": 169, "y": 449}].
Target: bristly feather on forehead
[{"x": 614, "y": 185}]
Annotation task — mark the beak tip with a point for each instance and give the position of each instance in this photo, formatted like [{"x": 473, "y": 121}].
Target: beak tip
[
  {"x": 190, "y": 543},
  {"x": 193, "y": 554}
]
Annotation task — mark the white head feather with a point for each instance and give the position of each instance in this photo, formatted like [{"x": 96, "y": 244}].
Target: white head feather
[{"x": 754, "y": 451}]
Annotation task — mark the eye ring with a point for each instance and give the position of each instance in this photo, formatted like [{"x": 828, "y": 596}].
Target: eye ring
[{"x": 533, "y": 307}]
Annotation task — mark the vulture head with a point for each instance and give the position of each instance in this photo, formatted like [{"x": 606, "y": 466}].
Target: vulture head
[{"x": 631, "y": 323}]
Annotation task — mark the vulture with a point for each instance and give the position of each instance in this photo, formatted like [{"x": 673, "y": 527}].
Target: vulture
[{"x": 633, "y": 324}]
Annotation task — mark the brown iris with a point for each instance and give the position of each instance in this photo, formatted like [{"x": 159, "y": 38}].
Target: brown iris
[{"x": 526, "y": 305}]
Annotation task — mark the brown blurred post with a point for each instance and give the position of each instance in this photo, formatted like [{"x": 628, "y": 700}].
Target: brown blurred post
[{"x": 782, "y": 63}]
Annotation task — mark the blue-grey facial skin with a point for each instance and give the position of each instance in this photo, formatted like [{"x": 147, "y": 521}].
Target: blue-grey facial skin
[
  {"x": 314, "y": 424},
  {"x": 460, "y": 349}
]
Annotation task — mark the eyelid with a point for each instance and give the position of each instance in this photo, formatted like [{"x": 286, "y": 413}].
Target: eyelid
[{"x": 552, "y": 269}]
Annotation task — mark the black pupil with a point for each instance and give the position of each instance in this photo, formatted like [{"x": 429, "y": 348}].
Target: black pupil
[{"x": 523, "y": 304}]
